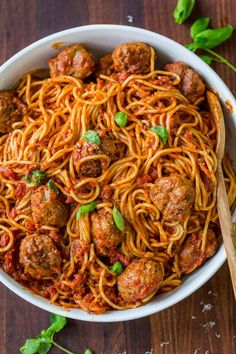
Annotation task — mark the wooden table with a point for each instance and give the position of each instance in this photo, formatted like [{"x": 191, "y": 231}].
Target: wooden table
[{"x": 204, "y": 323}]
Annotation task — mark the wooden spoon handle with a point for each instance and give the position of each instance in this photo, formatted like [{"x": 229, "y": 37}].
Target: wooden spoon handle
[{"x": 227, "y": 227}]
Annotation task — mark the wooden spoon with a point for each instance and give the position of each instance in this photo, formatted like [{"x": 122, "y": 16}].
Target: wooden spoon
[{"x": 227, "y": 228}]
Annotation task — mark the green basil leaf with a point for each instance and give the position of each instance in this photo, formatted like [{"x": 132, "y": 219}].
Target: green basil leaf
[
  {"x": 58, "y": 322},
  {"x": 85, "y": 209},
  {"x": 45, "y": 346},
  {"x": 191, "y": 46},
  {"x": 88, "y": 351},
  {"x": 118, "y": 218},
  {"x": 36, "y": 177},
  {"x": 183, "y": 10},
  {"x": 211, "y": 38},
  {"x": 198, "y": 26},
  {"x": 52, "y": 185},
  {"x": 121, "y": 119},
  {"x": 31, "y": 346},
  {"x": 206, "y": 58},
  {"x": 92, "y": 137},
  {"x": 161, "y": 132},
  {"x": 116, "y": 268}
]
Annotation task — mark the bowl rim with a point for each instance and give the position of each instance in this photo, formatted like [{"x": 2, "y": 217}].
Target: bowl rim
[{"x": 202, "y": 275}]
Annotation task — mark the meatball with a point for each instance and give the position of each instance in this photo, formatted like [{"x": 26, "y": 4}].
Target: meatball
[
  {"x": 105, "y": 65},
  {"x": 48, "y": 208},
  {"x": 111, "y": 148},
  {"x": 106, "y": 236},
  {"x": 11, "y": 110},
  {"x": 174, "y": 197},
  {"x": 191, "y": 85},
  {"x": 39, "y": 256},
  {"x": 93, "y": 168},
  {"x": 133, "y": 58},
  {"x": 75, "y": 61},
  {"x": 140, "y": 278},
  {"x": 191, "y": 257}
]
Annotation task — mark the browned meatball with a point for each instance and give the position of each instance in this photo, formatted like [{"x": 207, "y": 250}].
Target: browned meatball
[
  {"x": 93, "y": 168},
  {"x": 11, "y": 110},
  {"x": 39, "y": 256},
  {"x": 174, "y": 197},
  {"x": 111, "y": 148},
  {"x": 106, "y": 236},
  {"x": 105, "y": 65},
  {"x": 191, "y": 85},
  {"x": 75, "y": 61},
  {"x": 48, "y": 208},
  {"x": 133, "y": 58},
  {"x": 140, "y": 278},
  {"x": 191, "y": 257}
]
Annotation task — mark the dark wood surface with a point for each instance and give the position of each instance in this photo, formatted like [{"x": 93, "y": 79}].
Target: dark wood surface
[{"x": 204, "y": 323}]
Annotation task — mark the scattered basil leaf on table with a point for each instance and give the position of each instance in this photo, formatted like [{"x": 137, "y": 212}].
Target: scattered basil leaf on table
[
  {"x": 118, "y": 218},
  {"x": 88, "y": 351},
  {"x": 161, "y": 132},
  {"x": 85, "y": 209},
  {"x": 191, "y": 46},
  {"x": 43, "y": 343},
  {"x": 199, "y": 25},
  {"x": 92, "y": 137},
  {"x": 116, "y": 268},
  {"x": 211, "y": 38},
  {"x": 207, "y": 39},
  {"x": 183, "y": 10},
  {"x": 206, "y": 58},
  {"x": 52, "y": 185},
  {"x": 121, "y": 119},
  {"x": 36, "y": 177}
]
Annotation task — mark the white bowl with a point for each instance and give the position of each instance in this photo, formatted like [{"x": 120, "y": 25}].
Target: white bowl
[{"x": 102, "y": 39}]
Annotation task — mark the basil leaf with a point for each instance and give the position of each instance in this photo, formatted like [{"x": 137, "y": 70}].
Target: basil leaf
[
  {"x": 191, "y": 46},
  {"x": 92, "y": 137},
  {"x": 85, "y": 209},
  {"x": 121, "y": 119},
  {"x": 183, "y": 10},
  {"x": 31, "y": 346},
  {"x": 206, "y": 58},
  {"x": 58, "y": 322},
  {"x": 36, "y": 177},
  {"x": 116, "y": 268},
  {"x": 52, "y": 185},
  {"x": 199, "y": 25},
  {"x": 161, "y": 132},
  {"x": 211, "y": 38},
  {"x": 45, "y": 346},
  {"x": 118, "y": 218},
  {"x": 88, "y": 351}
]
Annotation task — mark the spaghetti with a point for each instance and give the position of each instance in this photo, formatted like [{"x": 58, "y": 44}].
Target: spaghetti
[{"x": 45, "y": 159}]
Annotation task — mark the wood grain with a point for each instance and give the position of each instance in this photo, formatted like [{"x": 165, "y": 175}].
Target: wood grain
[{"x": 186, "y": 327}]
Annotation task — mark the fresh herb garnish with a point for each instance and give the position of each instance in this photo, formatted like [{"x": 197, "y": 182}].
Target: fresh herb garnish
[
  {"x": 88, "y": 351},
  {"x": 206, "y": 39},
  {"x": 199, "y": 25},
  {"x": 118, "y": 218},
  {"x": 36, "y": 177},
  {"x": 206, "y": 58},
  {"x": 161, "y": 132},
  {"x": 85, "y": 209},
  {"x": 121, "y": 119},
  {"x": 52, "y": 185},
  {"x": 116, "y": 268},
  {"x": 183, "y": 10},
  {"x": 43, "y": 343},
  {"x": 92, "y": 137}
]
